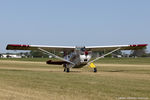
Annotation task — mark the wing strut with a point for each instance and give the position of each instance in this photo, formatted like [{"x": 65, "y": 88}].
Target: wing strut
[
  {"x": 51, "y": 54},
  {"x": 102, "y": 56}
]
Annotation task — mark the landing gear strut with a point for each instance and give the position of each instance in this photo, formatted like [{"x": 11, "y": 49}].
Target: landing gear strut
[{"x": 93, "y": 67}]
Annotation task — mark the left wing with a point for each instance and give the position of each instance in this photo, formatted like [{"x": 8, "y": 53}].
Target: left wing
[
  {"x": 45, "y": 49},
  {"x": 113, "y": 47},
  {"x": 36, "y": 47}
]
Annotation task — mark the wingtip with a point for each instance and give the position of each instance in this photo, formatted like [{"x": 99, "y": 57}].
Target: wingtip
[
  {"x": 10, "y": 46},
  {"x": 139, "y": 45}
]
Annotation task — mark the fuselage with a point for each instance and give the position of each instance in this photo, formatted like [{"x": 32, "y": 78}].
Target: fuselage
[{"x": 80, "y": 57}]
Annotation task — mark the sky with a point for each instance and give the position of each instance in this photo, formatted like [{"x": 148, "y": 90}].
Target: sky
[{"x": 74, "y": 22}]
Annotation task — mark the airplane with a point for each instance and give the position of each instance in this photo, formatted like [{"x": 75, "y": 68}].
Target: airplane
[{"x": 74, "y": 56}]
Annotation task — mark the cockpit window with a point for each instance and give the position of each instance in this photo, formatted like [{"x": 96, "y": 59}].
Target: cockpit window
[
  {"x": 80, "y": 48},
  {"x": 83, "y": 49}
]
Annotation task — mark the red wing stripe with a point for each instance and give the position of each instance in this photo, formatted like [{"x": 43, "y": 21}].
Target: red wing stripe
[
  {"x": 139, "y": 45},
  {"x": 18, "y": 45},
  {"x": 142, "y": 45}
]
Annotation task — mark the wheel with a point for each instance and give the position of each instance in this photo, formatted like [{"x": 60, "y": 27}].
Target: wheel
[
  {"x": 64, "y": 65},
  {"x": 64, "y": 69},
  {"x": 95, "y": 70},
  {"x": 68, "y": 70}
]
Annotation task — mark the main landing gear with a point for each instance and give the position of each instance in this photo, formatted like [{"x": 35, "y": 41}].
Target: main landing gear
[
  {"x": 91, "y": 65},
  {"x": 95, "y": 70},
  {"x": 66, "y": 68}
]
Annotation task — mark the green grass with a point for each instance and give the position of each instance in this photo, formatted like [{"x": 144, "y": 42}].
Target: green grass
[{"x": 113, "y": 80}]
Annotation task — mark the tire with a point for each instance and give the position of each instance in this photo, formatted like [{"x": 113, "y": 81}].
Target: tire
[
  {"x": 95, "y": 70},
  {"x": 68, "y": 70},
  {"x": 64, "y": 69}
]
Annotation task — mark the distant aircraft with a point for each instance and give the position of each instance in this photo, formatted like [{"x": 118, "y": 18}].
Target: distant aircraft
[{"x": 74, "y": 57}]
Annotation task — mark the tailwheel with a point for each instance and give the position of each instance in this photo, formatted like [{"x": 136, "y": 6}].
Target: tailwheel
[{"x": 95, "y": 70}]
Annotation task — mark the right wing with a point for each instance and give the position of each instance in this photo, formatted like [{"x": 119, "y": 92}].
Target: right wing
[
  {"x": 113, "y": 47},
  {"x": 36, "y": 47}
]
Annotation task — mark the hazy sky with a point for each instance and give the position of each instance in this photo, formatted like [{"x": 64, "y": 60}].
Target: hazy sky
[{"x": 74, "y": 22}]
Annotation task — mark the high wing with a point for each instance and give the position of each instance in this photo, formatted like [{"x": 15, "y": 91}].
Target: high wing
[
  {"x": 113, "y": 47},
  {"x": 43, "y": 48},
  {"x": 71, "y": 48},
  {"x": 36, "y": 47}
]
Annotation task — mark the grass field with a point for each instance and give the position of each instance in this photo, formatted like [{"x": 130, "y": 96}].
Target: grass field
[{"x": 32, "y": 79}]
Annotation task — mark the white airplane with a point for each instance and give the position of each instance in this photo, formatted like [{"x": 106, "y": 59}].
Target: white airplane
[{"x": 75, "y": 57}]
